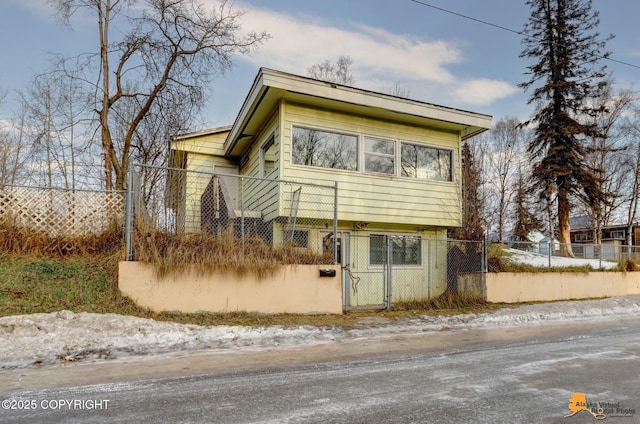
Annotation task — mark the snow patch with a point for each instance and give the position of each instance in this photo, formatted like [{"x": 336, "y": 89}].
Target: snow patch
[{"x": 27, "y": 340}]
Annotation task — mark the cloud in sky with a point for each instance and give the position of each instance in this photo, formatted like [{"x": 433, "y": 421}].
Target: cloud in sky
[
  {"x": 381, "y": 58},
  {"x": 482, "y": 91}
]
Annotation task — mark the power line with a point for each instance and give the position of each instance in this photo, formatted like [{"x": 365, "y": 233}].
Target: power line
[{"x": 521, "y": 33}]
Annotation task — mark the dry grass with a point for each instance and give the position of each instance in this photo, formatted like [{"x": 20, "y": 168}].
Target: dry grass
[
  {"x": 24, "y": 241},
  {"x": 86, "y": 283},
  {"x": 42, "y": 274},
  {"x": 446, "y": 302},
  {"x": 209, "y": 253}
]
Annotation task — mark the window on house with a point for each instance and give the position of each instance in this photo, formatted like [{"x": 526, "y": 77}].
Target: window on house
[
  {"x": 299, "y": 238},
  {"x": 325, "y": 149},
  {"x": 425, "y": 163},
  {"x": 379, "y": 155},
  {"x": 405, "y": 250},
  {"x": 617, "y": 234},
  {"x": 268, "y": 157},
  {"x": 583, "y": 237}
]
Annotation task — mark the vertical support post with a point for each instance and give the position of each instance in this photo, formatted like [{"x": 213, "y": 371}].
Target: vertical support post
[
  {"x": 429, "y": 277},
  {"x": 389, "y": 261},
  {"x": 242, "y": 214},
  {"x": 549, "y": 252},
  {"x": 128, "y": 215},
  {"x": 335, "y": 224},
  {"x": 485, "y": 266}
]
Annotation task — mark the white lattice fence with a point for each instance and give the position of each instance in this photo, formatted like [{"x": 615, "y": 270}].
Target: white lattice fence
[{"x": 61, "y": 212}]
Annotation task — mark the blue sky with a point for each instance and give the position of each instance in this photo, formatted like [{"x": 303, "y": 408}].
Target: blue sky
[{"x": 435, "y": 56}]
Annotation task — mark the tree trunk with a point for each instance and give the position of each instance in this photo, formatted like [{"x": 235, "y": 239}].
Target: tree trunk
[{"x": 564, "y": 235}]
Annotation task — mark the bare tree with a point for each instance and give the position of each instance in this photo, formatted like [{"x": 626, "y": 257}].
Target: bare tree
[
  {"x": 13, "y": 150},
  {"x": 399, "y": 91},
  {"x": 56, "y": 112},
  {"x": 503, "y": 154},
  {"x": 605, "y": 156},
  {"x": 632, "y": 168},
  {"x": 338, "y": 72},
  {"x": 166, "y": 48}
]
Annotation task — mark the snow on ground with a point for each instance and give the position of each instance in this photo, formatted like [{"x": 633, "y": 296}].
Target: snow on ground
[
  {"x": 27, "y": 340},
  {"x": 542, "y": 260}
]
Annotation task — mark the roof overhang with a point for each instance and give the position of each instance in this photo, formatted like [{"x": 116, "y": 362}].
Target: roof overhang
[{"x": 270, "y": 87}]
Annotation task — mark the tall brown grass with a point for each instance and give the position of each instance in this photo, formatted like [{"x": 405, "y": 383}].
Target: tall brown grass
[
  {"x": 209, "y": 253},
  {"x": 25, "y": 241}
]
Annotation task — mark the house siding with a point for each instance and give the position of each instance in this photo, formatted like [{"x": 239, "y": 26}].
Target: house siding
[
  {"x": 262, "y": 194},
  {"x": 377, "y": 198},
  {"x": 204, "y": 154}
]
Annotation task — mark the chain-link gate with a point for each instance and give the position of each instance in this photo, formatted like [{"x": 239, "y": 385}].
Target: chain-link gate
[
  {"x": 365, "y": 272},
  {"x": 379, "y": 270}
]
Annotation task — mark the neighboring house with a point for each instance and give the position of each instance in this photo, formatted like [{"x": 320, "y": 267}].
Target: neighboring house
[
  {"x": 614, "y": 237},
  {"x": 396, "y": 163}
]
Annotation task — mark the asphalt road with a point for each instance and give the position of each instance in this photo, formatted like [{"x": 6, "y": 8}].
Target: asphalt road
[{"x": 525, "y": 375}]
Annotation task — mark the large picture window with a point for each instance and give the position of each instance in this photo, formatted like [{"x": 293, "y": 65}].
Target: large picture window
[
  {"x": 325, "y": 149},
  {"x": 425, "y": 163},
  {"x": 405, "y": 250}
]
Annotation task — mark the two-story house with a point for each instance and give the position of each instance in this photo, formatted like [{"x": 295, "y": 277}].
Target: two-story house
[{"x": 396, "y": 163}]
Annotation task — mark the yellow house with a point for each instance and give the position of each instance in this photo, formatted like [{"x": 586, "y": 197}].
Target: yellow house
[{"x": 395, "y": 162}]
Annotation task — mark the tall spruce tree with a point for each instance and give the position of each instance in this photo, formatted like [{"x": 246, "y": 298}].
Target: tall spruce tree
[{"x": 566, "y": 74}]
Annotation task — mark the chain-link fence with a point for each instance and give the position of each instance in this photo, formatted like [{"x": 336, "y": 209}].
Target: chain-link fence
[
  {"x": 179, "y": 202},
  {"x": 61, "y": 212},
  {"x": 556, "y": 254},
  {"x": 383, "y": 269}
]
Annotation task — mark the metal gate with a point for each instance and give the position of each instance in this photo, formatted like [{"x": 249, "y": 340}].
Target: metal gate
[
  {"x": 380, "y": 269},
  {"x": 366, "y": 276}
]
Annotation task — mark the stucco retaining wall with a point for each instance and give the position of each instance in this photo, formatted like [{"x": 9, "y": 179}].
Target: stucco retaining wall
[
  {"x": 292, "y": 288},
  {"x": 508, "y": 287}
]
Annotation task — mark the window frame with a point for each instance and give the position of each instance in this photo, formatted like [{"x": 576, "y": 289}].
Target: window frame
[
  {"x": 451, "y": 162},
  {"x": 361, "y": 154},
  {"x": 331, "y": 131},
  {"x": 264, "y": 147},
  {"x": 393, "y": 156},
  {"x": 419, "y": 239},
  {"x": 298, "y": 231}
]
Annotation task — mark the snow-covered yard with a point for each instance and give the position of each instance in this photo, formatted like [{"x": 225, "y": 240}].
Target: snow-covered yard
[
  {"x": 28, "y": 340},
  {"x": 542, "y": 260}
]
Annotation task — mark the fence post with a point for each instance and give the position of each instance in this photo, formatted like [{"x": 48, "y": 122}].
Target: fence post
[
  {"x": 242, "y": 214},
  {"x": 389, "y": 261},
  {"x": 429, "y": 268},
  {"x": 549, "y": 252},
  {"x": 335, "y": 224},
  {"x": 485, "y": 265},
  {"x": 128, "y": 215}
]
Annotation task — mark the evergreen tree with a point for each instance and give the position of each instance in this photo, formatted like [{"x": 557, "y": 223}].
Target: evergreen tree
[
  {"x": 566, "y": 75},
  {"x": 472, "y": 206},
  {"x": 525, "y": 220}
]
